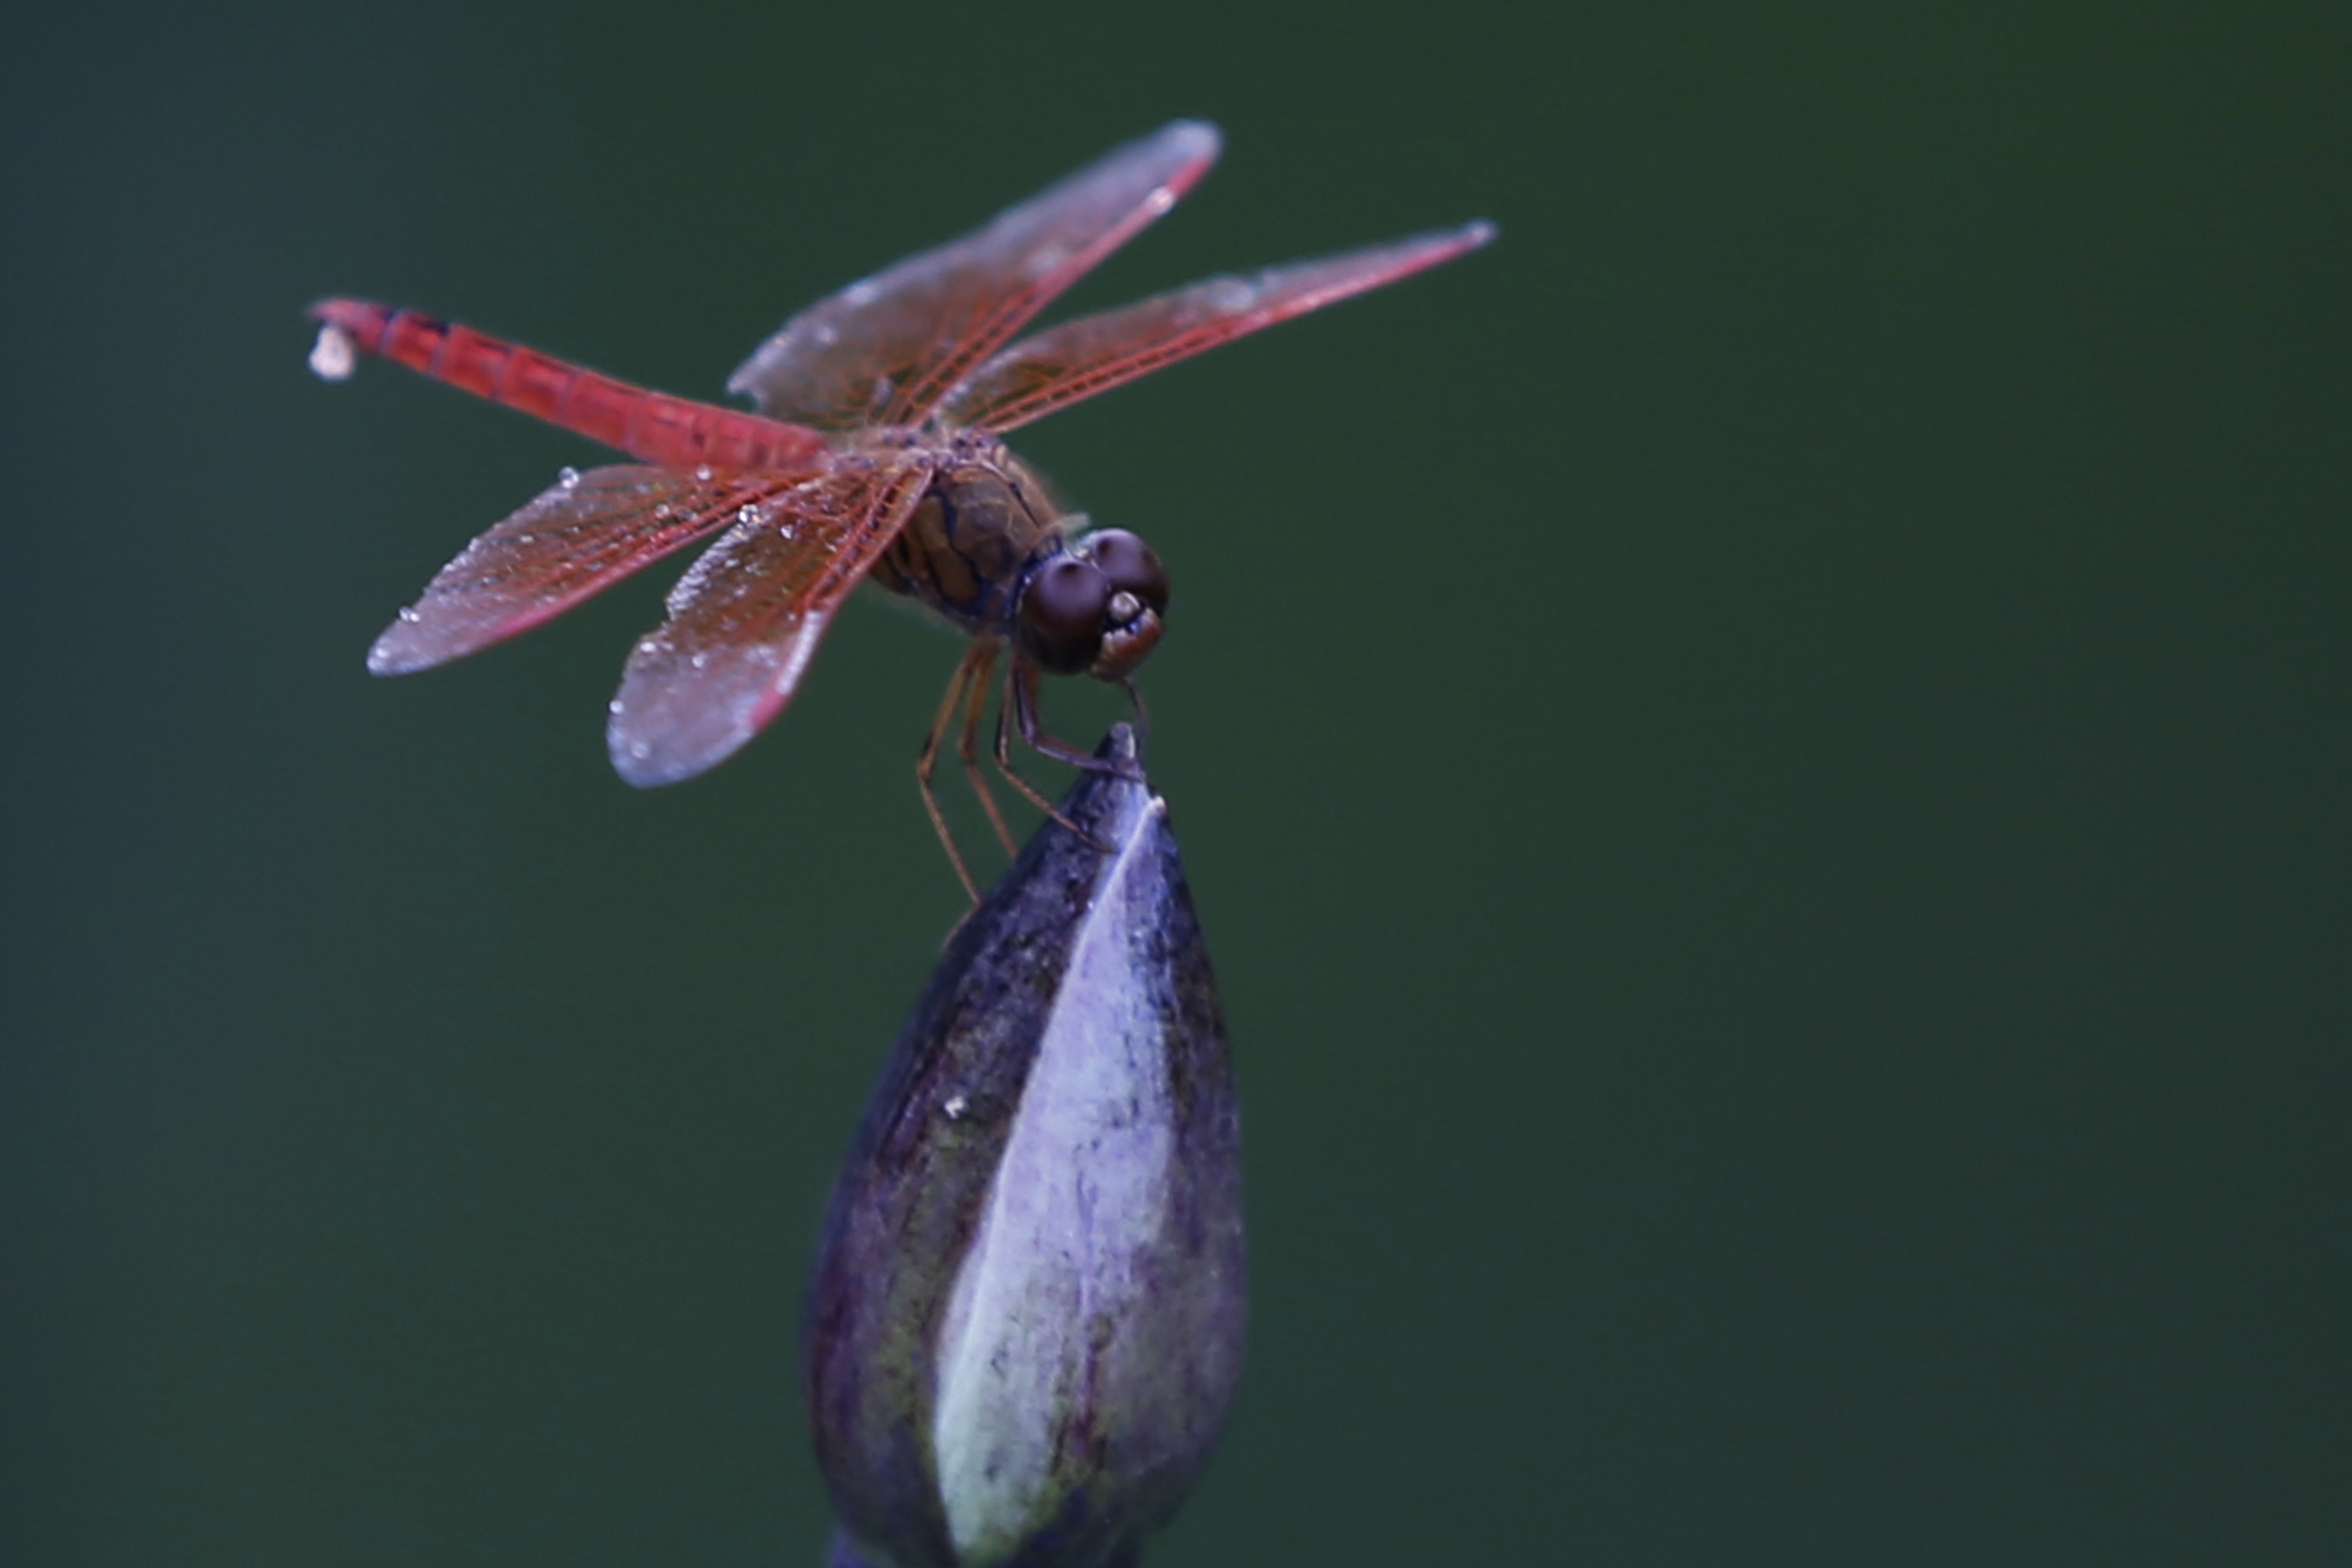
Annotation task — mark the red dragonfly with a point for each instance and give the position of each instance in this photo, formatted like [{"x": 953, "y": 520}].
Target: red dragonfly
[{"x": 877, "y": 454}]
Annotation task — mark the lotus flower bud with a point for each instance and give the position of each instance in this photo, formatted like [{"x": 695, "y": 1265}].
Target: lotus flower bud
[{"x": 1026, "y": 1322}]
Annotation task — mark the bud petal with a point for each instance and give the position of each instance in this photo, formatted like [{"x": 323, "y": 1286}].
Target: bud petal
[{"x": 1027, "y": 1317}]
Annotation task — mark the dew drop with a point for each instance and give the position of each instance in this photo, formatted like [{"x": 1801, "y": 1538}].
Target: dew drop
[
  {"x": 662, "y": 509},
  {"x": 568, "y": 477},
  {"x": 641, "y": 750},
  {"x": 751, "y": 516},
  {"x": 613, "y": 708},
  {"x": 703, "y": 473},
  {"x": 955, "y": 1106},
  {"x": 1044, "y": 261},
  {"x": 702, "y": 661},
  {"x": 408, "y": 614},
  {"x": 647, "y": 646},
  {"x": 333, "y": 356},
  {"x": 1230, "y": 296}
]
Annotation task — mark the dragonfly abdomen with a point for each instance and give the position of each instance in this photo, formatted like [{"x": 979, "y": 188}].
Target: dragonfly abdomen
[{"x": 674, "y": 432}]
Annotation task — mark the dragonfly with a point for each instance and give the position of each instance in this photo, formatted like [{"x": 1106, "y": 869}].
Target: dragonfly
[{"x": 873, "y": 452}]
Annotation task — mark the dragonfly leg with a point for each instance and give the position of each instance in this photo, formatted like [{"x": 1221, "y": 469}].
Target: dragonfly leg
[
  {"x": 1013, "y": 688},
  {"x": 1142, "y": 719},
  {"x": 1024, "y": 687},
  {"x": 1020, "y": 705},
  {"x": 968, "y": 746},
  {"x": 974, "y": 662}
]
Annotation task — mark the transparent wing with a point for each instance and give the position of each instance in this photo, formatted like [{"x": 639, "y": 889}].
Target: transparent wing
[
  {"x": 746, "y": 617},
  {"x": 584, "y": 533},
  {"x": 885, "y": 350},
  {"x": 1076, "y": 360}
]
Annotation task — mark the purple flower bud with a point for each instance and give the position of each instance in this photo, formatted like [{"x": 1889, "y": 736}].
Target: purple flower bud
[{"x": 1027, "y": 1317}]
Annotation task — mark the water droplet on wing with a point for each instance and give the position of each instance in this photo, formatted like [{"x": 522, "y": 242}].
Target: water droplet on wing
[{"x": 1230, "y": 296}]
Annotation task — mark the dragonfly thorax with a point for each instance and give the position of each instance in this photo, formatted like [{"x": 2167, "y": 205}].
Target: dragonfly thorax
[
  {"x": 963, "y": 551},
  {"x": 986, "y": 549}
]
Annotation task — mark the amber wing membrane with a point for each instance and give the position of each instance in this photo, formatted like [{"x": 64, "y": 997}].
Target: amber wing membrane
[
  {"x": 1072, "y": 361},
  {"x": 581, "y": 534},
  {"x": 748, "y": 614},
  {"x": 886, "y": 349}
]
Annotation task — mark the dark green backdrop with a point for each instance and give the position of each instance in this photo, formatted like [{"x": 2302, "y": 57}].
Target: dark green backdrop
[{"x": 1765, "y": 764}]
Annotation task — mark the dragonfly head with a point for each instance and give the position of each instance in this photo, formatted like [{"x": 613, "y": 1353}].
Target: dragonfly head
[{"x": 1093, "y": 608}]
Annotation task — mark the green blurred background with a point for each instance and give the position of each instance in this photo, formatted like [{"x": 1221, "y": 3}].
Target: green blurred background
[{"x": 1765, "y": 764}]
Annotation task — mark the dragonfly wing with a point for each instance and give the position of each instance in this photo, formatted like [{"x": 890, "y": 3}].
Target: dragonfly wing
[
  {"x": 885, "y": 350},
  {"x": 581, "y": 534},
  {"x": 1076, "y": 360},
  {"x": 746, "y": 617}
]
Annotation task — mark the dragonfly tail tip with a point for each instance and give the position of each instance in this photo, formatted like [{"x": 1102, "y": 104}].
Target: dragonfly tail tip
[{"x": 333, "y": 356}]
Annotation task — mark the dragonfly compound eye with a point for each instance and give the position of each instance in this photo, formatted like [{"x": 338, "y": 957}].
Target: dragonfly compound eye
[
  {"x": 1064, "y": 610},
  {"x": 1130, "y": 565}
]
